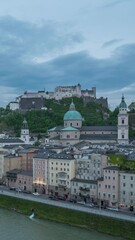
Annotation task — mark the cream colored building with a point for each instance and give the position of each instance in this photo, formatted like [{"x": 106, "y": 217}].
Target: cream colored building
[
  {"x": 90, "y": 166},
  {"x": 11, "y": 162},
  {"x": 127, "y": 189},
  {"x": 61, "y": 171}
]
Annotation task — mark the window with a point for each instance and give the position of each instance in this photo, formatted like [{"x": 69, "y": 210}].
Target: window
[
  {"x": 131, "y": 185},
  {"x": 113, "y": 178},
  {"x": 113, "y": 196},
  {"x": 122, "y": 121},
  {"x": 124, "y": 184},
  {"x": 123, "y": 192},
  {"x": 113, "y": 187},
  {"x": 124, "y": 177},
  {"x": 122, "y": 135},
  {"x": 131, "y": 177}
]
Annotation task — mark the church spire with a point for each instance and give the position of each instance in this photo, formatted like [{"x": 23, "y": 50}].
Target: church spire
[{"x": 72, "y": 106}]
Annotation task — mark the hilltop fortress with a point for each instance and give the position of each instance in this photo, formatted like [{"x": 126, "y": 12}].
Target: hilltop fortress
[{"x": 36, "y": 100}]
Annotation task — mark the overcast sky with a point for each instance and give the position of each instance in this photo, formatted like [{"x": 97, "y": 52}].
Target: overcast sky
[{"x": 47, "y": 43}]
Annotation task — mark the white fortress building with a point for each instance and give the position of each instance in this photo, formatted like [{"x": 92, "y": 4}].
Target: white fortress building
[{"x": 36, "y": 100}]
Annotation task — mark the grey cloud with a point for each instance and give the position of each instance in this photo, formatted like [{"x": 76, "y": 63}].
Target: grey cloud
[
  {"x": 115, "y": 3},
  {"x": 20, "y": 40},
  {"x": 111, "y": 43}
]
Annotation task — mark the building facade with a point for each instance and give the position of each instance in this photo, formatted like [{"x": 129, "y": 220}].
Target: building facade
[
  {"x": 90, "y": 166},
  {"x": 61, "y": 171},
  {"x": 108, "y": 187},
  {"x": 127, "y": 189}
]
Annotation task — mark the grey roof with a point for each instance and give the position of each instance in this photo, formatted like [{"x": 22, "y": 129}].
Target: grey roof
[
  {"x": 22, "y": 172},
  {"x": 84, "y": 180},
  {"x": 112, "y": 168},
  {"x": 10, "y": 140},
  {"x": 98, "y": 136},
  {"x": 15, "y": 171},
  {"x": 45, "y": 155},
  {"x": 26, "y": 172},
  {"x": 99, "y": 128},
  {"x": 131, "y": 156},
  {"x": 81, "y": 144},
  {"x": 55, "y": 129},
  {"x": 63, "y": 156}
]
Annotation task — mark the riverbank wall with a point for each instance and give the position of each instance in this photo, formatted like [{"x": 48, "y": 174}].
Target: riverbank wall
[{"x": 124, "y": 229}]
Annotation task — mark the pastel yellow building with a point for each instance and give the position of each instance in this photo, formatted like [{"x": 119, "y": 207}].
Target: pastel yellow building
[{"x": 61, "y": 171}]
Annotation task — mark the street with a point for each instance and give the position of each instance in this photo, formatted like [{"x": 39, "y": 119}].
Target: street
[{"x": 69, "y": 205}]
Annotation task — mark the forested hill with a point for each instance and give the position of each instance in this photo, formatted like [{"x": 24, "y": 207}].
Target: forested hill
[{"x": 41, "y": 120}]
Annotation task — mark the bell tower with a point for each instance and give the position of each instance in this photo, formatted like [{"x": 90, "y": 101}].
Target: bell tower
[
  {"x": 123, "y": 127},
  {"x": 25, "y": 137}
]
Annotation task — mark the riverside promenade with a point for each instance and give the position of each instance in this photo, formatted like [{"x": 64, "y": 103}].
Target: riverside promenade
[{"x": 74, "y": 206}]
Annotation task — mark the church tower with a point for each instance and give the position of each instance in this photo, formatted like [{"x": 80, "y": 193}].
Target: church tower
[
  {"x": 25, "y": 137},
  {"x": 123, "y": 128}
]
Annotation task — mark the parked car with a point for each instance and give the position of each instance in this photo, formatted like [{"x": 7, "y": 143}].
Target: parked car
[
  {"x": 36, "y": 193},
  {"x": 81, "y": 202},
  {"x": 27, "y": 192},
  {"x": 61, "y": 198},
  {"x": 12, "y": 188},
  {"x": 18, "y": 190},
  {"x": 52, "y": 197}
]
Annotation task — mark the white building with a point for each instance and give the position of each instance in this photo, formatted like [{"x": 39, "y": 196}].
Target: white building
[
  {"x": 123, "y": 128},
  {"x": 127, "y": 189},
  {"x": 84, "y": 190},
  {"x": 25, "y": 137},
  {"x": 91, "y": 166}
]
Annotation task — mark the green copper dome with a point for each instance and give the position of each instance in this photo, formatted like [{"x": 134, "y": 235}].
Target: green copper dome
[
  {"x": 72, "y": 114},
  {"x": 123, "y": 104}
]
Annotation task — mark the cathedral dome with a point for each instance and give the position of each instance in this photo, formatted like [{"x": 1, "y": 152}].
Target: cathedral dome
[{"x": 72, "y": 114}]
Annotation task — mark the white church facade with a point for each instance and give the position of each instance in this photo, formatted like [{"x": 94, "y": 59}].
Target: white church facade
[{"x": 73, "y": 132}]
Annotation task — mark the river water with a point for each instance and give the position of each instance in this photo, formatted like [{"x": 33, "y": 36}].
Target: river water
[{"x": 19, "y": 227}]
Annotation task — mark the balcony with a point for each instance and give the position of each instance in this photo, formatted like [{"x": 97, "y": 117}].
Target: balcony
[
  {"x": 62, "y": 183},
  {"x": 84, "y": 189}
]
